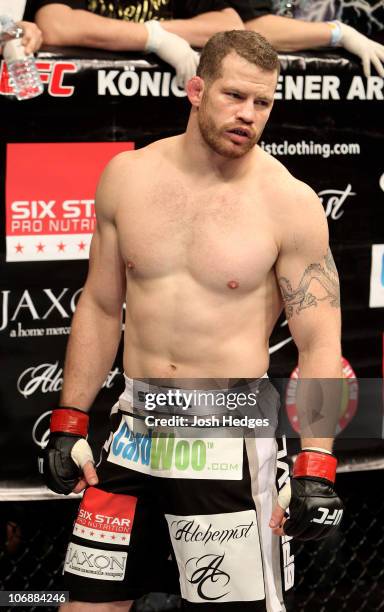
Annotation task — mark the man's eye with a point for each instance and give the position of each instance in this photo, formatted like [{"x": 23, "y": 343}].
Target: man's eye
[
  {"x": 261, "y": 102},
  {"x": 233, "y": 94}
]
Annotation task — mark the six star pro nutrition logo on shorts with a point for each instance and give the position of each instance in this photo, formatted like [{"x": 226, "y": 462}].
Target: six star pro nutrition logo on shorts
[
  {"x": 349, "y": 398},
  {"x": 169, "y": 456},
  {"x": 105, "y": 517}
]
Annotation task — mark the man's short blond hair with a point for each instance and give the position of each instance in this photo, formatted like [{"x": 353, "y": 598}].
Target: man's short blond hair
[{"x": 249, "y": 45}]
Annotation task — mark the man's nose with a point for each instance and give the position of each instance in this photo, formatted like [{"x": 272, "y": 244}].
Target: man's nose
[{"x": 246, "y": 112}]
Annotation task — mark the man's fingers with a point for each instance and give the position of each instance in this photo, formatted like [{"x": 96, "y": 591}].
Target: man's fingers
[
  {"x": 277, "y": 517},
  {"x": 28, "y": 45},
  {"x": 89, "y": 478},
  {"x": 366, "y": 64},
  {"x": 279, "y": 531},
  {"x": 378, "y": 65},
  {"x": 379, "y": 49},
  {"x": 90, "y": 474},
  {"x": 80, "y": 486}
]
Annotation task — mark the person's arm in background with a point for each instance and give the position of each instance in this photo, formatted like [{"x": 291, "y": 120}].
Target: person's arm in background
[
  {"x": 171, "y": 40},
  {"x": 64, "y": 26},
  {"x": 287, "y": 34},
  {"x": 198, "y": 29}
]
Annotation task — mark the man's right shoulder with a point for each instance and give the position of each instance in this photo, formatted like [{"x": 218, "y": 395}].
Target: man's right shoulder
[
  {"x": 122, "y": 160},
  {"x": 128, "y": 174},
  {"x": 135, "y": 159}
]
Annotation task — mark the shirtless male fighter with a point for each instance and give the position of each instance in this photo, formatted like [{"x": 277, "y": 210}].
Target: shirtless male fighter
[{"x": 205, "y": 237}]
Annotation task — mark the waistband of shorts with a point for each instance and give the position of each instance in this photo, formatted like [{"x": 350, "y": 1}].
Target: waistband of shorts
[{"x": 135, "y": 396}]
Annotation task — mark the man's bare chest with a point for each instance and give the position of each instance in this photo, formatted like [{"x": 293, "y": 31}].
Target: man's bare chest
[{"x": 220, "y": 238}]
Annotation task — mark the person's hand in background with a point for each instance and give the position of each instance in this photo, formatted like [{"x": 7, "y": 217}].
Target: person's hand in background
[
  {"x": 172, "y": 49},
  {"x": 32, "y": 36},
  {"x": 369, "y": 51}
]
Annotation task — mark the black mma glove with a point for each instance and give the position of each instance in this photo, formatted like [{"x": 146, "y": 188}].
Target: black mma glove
[
  {"x": 67, "y": 451},
  {"x": 315, "y": 510}
]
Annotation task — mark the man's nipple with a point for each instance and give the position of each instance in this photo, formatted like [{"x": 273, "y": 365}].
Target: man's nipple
[
  {"x": 232, "y": 284},
  {"x": 130, "y": 265}
]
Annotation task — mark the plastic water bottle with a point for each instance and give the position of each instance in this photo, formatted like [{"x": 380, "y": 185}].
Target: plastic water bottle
[{"x": 23, "y": 74}]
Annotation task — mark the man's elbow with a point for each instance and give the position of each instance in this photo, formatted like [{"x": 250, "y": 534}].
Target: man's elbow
[
  {"x": 57, "y": 25},
  {"x": 230, "y": 20},
  {"x": 278, "y": 40},
  {"x": 53, "y": 31}
]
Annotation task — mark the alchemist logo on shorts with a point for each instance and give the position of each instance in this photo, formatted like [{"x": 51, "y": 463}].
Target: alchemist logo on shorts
[
  {"x": 206, "y": 571},
  {"x": 349, "y": 398},
  {"x": 218, "y": 556}
]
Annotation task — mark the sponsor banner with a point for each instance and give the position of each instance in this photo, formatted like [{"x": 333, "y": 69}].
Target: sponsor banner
[
  {"x": 218, "y": 556},
  {"x": 137, "y": 78},
  {"x": 376, "y": 292},
  {"x": 313, "y": 87},
  {"x": 48, "y": 378},
  {"x": 52, "y": 73},
  {"x": 95, "y": 563},
  {"x": 36, "y": 312},
  {"x": 105, "y": 517},
  {"x": 334, "y": 201},
  {"x": 168, "y": 455},
  {"x": 310, "y": 147},
  {"x": 349, "y": 399},
  {"x": 48, "y": 247},
  {"x": 50, "y": 215}
]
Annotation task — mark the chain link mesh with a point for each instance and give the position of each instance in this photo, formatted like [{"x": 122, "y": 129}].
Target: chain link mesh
[{"x": 344, "y": 573}]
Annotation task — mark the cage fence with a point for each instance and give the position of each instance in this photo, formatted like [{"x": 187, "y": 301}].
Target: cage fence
[{"x": 342, "y": 573}]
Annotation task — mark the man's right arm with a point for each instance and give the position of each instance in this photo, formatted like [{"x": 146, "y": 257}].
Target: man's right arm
[
  {"x": 97, "y": 322},
  {"x": 66, "y": 462}
]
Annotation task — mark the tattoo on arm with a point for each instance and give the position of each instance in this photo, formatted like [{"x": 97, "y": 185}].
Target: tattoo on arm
[{"x": 325, "y": 274}]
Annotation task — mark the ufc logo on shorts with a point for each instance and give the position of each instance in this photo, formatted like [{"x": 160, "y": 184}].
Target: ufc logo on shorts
[{"x": 328, "y": 519}]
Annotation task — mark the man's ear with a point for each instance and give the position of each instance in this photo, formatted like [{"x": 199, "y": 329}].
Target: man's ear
[{"x": 195, "y": 90}]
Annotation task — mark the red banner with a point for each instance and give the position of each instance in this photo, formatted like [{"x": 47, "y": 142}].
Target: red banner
[{"x": 50, "y": 190}]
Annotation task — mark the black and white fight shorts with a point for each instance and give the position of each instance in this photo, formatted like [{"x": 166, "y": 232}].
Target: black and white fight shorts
[{"x": 182, "y": 510}]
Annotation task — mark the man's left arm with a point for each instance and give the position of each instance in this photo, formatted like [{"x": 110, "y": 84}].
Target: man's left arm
[{"x": 309, "y": 285}]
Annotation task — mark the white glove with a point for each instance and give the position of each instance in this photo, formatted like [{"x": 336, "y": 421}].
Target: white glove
[
  {"x": 368, "y": 50},
  {"x": 172, "y": 49}
]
